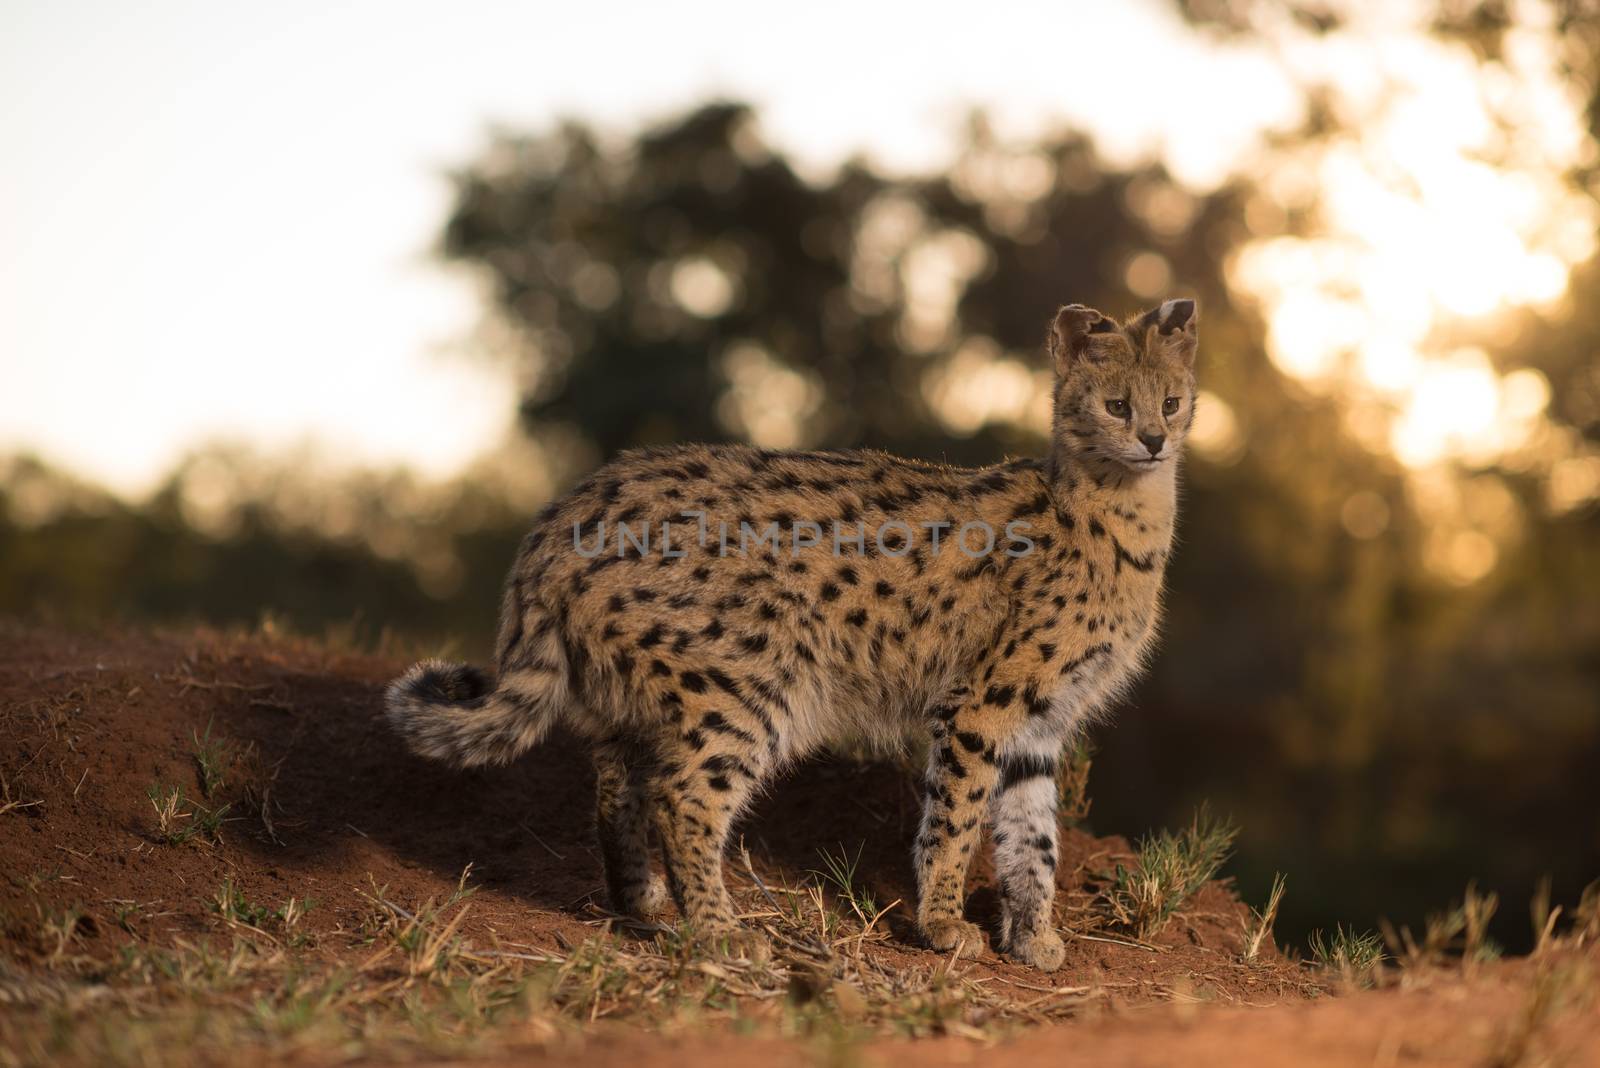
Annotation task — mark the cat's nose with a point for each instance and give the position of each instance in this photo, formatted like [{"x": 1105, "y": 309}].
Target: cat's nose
[{"x": 1153, "y": 442}]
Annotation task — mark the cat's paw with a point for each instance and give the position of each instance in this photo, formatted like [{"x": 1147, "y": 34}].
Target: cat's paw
[
  {"x": 737, "y": 943},
  {"x": 653, "y": 901},
  {"x": 946, "y": 935},
  {"x": 1043, "y": 950},
  {"x": 648, "y": 901}
]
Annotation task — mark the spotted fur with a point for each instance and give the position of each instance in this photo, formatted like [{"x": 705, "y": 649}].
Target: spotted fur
[{"x": 696, "y": 672}]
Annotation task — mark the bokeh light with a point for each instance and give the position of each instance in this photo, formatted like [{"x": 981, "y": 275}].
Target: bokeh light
[{"x": 1443, "y": 206}]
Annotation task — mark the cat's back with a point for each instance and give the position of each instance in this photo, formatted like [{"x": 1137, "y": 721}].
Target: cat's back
[
  {"x": 717, "y": 491},
  {"x": 766, "y": 566}
]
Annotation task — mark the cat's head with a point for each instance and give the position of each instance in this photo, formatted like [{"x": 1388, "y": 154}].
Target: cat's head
[{"x": 1125, "y": 391}]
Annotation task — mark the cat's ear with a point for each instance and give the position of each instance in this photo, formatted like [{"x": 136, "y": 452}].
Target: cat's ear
[
  {"x": 1080, "y": 333},
  {"x": 1173, "y": 329}
]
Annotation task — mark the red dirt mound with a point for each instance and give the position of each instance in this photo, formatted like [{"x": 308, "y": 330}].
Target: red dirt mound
[{"x": 323, "y": 802}]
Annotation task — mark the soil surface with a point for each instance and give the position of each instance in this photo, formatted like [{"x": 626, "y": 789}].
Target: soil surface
[{"x": 324, "y": 804}]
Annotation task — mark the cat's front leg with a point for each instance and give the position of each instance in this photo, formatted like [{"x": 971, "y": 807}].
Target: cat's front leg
[{"x": 1026, "y": 853}]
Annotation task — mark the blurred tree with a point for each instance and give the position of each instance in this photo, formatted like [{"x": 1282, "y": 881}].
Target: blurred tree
[
  {"x": 658, "y": 283},
  {"x": 1498, "y": 34}
]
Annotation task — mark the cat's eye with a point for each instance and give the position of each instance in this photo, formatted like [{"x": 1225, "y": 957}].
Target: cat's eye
[
  {"x": 1169, "y": 406},
  {"x": 1118, "y": 408}
]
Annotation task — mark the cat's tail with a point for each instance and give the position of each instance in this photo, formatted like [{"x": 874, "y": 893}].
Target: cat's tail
[{"x": 455, "y": 713}]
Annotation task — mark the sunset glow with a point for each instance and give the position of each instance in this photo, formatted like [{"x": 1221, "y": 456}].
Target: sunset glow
[
  {"x": 1387, "y": 260},
  {"x": 1420, "y": 239}
]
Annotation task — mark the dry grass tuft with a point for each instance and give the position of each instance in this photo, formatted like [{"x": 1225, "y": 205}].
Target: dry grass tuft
[
  {"x": 1168, "y": 870},
  {"x": 1460, "y": 933},
  {"x": 285, "y": 922},
  {"x": 211, "y": 759},
  {"x": 1560, "y": 986},
  {"x": 181, "y": 819},
  {"x": 1355, "y": 956},
  {"x": 1072, "y": 783},
  {"x": 10, "y": 802},
  {"x": 426, "y": 938},
  {"x": 1258, "y": 929},
  {"x": 1586, "y": 917}
]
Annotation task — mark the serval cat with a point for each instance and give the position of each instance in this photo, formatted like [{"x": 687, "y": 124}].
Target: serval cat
[{"x": 703, "y": 615}]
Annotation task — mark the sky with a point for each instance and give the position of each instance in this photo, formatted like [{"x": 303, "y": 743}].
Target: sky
[{"x": 216, "y": 221}]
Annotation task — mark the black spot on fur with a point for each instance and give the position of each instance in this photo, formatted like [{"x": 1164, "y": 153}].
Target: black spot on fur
[
  {"x": 993, "y": 482},
  {"x": 1000, "y": 696},
  {"x": 1022, "y": 767},
  {"x": 1034, "y": 506},
  {"x": 723, "y": 683},
  {"x": 1092, "y": 653},
  {"x": 455, "y": 684},
  {"x": 1144, "y": 563},
  {"x": 972, "y": 743}
]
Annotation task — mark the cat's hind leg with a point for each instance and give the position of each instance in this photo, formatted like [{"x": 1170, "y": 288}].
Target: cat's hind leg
[
  {"x": 624, "y": 779},
  {"x": 711, "y": 766}
]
